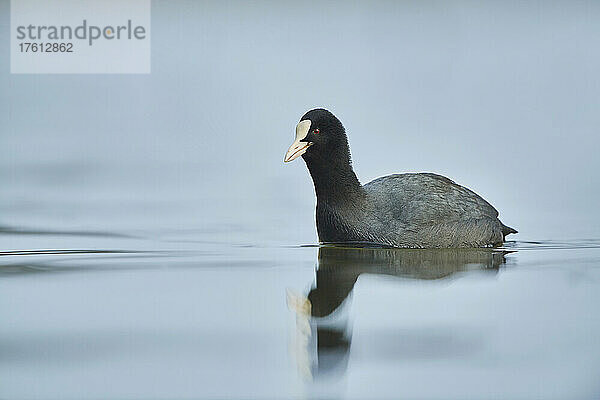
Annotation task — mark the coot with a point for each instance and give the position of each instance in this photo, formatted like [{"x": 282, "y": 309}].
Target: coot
[{"x": 416, "y": 210}]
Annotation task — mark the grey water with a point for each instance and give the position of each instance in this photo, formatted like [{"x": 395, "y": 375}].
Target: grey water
[{"x": 154, "y": 245}]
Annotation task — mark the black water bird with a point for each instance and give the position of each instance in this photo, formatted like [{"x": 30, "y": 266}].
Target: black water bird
[{"x": 413, "y": 210}]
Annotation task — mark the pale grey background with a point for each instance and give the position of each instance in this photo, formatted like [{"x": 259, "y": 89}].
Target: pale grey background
[
  {"x": 188, "y": 162},
  {"x": 501, "y": 97}
]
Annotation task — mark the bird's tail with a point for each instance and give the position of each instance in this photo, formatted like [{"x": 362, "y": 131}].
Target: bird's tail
[{"x": 507, "y": 230}]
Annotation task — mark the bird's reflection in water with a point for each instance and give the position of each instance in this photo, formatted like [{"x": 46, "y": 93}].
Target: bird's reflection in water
[{"x": 320, "y": 316}]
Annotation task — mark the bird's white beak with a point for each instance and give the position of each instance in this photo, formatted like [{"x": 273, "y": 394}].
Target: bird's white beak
[{"x": 298, "y": 148}]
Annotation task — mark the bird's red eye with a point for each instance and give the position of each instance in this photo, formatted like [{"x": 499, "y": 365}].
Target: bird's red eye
[{"x": 316, "y": 131}]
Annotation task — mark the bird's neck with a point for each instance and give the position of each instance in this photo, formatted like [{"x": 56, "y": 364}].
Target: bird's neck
[{"x": 335, "y": 183}]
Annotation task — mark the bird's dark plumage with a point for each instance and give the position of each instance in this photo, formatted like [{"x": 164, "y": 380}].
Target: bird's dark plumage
[{"x": 403, "y": 210}]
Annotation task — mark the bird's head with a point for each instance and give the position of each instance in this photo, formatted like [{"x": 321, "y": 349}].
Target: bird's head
[{"x": 319, "y": 135}]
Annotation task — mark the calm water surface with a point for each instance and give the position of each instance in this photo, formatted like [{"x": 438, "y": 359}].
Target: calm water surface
[{"x": 191, "y": 296}]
